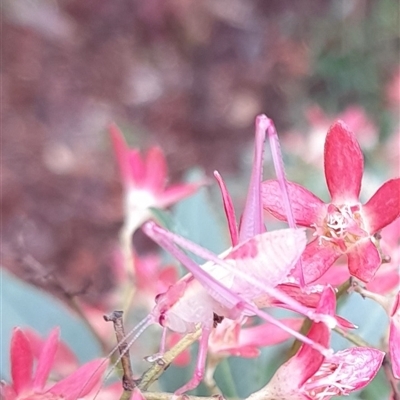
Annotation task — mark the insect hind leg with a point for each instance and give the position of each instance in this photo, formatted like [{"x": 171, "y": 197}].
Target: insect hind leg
[{"x": 198, "y": 374}]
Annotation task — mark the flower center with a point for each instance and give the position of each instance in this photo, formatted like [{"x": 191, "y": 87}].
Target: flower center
[{"x": 342, "y": 226}]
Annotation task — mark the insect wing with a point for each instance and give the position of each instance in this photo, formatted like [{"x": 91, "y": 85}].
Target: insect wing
[
  {"x": 268, "y": 257},
  {"x": 169, "y": 242}
]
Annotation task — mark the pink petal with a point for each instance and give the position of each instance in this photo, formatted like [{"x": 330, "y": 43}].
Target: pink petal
[
  {"x": 137, "y": 395},
  {"x": 384, "y": 206},
  {"x": 358, "y": 366},
  {"x": 245, "y": 351},
  {"x": 345, "y": 323},
  {"x": 35, "y": 341},
  {"x": 307, "y": 207},
  {"x": 46, "y": 359},
  {"x": 156, "y": 170},
  {"x": 177, "y": 192},
  {"x": 7, "y": 392},
  {"x": 288, "y": 380},
  {"x": 137, "y": 168},
  {"x": 327, "y": 302},
  {"x": 167, "y": 277},
  {"x": 21, "y": 361},
  {"x": 385, "y": 280},
  {"x": 344, "y": 164},
  {"x": 121, "y": 151},
  {"x": 317, "y": 259},
  {"x": 308, "y": 359},
  {"x": 267, "y": 334},
  {"x": 335, "y": 276},
  {"x": 82, "y": 381},
  {"x": 394, "y": 338},
  {"x": 364, "y": 260}
]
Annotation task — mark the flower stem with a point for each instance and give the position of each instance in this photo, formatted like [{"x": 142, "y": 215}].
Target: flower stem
[
  {"x": 355, "y": 339},
  {"x": 161, "y": 365}
]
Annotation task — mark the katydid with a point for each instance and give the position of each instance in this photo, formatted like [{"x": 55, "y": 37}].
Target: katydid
[{"x": 228, "y": 285}]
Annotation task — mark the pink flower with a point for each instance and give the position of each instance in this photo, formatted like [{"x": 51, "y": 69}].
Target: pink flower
[
  {"x": 343, "y": 226},
  {"x": 311, "y": 376},
  {"x": 387, "y": 277},
  {"x": 152, "y": 279},
  {"x": 30, "y": 384},
  {"x": 394, "y": 336},
  {"x": 145, "y": 179},
  {"x": 65, "y": 361}
]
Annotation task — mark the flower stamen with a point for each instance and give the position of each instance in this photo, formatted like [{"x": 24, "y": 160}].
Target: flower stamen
[{"x": 343, "y": 226}]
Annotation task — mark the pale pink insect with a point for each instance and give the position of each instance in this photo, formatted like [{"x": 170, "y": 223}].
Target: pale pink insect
[{"x": 227, "y": 285}]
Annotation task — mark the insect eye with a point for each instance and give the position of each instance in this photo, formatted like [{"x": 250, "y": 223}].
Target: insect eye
[
  {"x": 157, "y": 298},
  {"x": 161, "y": 320}
]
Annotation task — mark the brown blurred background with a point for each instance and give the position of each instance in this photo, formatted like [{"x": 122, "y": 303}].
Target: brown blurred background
[{"x": 189, "y": 75}]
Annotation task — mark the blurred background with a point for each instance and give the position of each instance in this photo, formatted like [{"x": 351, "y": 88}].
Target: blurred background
[{"x": 190, "y": 76}]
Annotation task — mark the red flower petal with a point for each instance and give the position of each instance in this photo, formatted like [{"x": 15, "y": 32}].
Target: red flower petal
[
  {"x": 306, "y": 207},
  {"x": 311, "y": 359},
  {"x": 384, "y": 206},
  {"x": 176, "y": 193},
  {"x": 394, "y": 338},
  {"x": 364, "y": 260},
  {"x": 121, "y": 151},
  {"x": 267, "y": 334},
  {"x": 46, "y": 359},
  {"x": 344, "y": 163},
  {"x": 245, "y": 351},
  {"x": 156, "y": 170},
  {"x": 316, "y": 260},
  {"x": 335, "y": 276},
  {"x": 82, "y": 381},
  {"x": 21, "y": 361},
  {"x": 137, "y": 169},
  {"x": 359, "y": 365},
  {"x": 308, "y": 360},
  {"x": 7, "y": 392}
]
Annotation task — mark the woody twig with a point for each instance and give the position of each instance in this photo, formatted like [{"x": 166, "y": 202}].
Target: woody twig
[{"x": 128, "y": 383}]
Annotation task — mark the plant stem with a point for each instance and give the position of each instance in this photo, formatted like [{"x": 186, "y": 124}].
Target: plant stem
[
  {"x": 170, "y": 396},
  {"x": 128, "y": 383},
  {"x": 393, "y": 382},
  {"x": 159, "y": 367}
]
